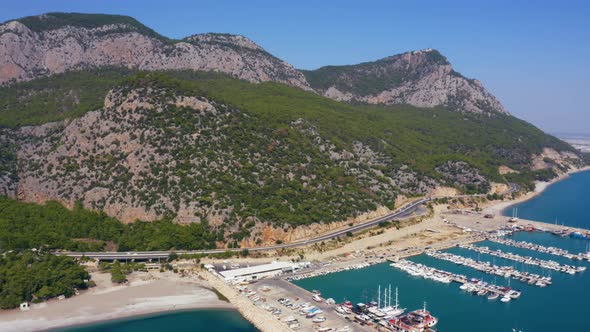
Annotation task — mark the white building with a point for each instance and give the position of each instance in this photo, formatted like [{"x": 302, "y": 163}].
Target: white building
[{"x": 259, "y": 271}]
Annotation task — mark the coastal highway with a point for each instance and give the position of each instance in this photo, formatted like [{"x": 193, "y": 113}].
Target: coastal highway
[{"x": 403, "y": 212}]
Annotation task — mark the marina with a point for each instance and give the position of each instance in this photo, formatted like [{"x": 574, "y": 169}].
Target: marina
[
  {"x": 546, "y": 264},
  {"x": 486, "y": 267},
  {"x": 359, "y": 286},
  {"x": 471, "y": 285},
  {"x": 531, "y": 246}
]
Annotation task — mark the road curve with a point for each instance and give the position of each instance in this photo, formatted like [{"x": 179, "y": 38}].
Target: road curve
[{"x": 402, "y": 212}]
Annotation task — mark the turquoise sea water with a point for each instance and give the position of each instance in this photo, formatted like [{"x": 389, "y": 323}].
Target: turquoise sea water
[
  {"x": 562, "y": 306},
  {"x": 194, "y": 320},
  {"x": 566, "y": 202},
  {"x": 559, "y": 307}
]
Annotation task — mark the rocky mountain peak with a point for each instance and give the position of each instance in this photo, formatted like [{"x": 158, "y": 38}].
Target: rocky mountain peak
[
  {"x": 54, "y": 43},
  {"x": 422, "y": 78},
  {"x": 225, "y": 39}
]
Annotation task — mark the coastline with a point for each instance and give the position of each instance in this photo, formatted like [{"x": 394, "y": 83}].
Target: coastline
[
  {"x": 152, "y": 294},
  {"x": 146, "y": 294},
  {"x": 498, "y": 208},
  {"x": 138, "y": 316}
]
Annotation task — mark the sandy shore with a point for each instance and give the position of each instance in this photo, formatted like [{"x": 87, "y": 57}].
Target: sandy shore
[
  {"x": 497, "y": 207},
  {"x": 146, "y": 293},
  {"x": 156, "y": 292}
]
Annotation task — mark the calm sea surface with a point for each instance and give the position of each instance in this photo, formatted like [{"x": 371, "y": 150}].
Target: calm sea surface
[
  {"x": 565, "y": 202},
  {"x": 195, "y": 320},
  {"x": 562, "y": 306}
]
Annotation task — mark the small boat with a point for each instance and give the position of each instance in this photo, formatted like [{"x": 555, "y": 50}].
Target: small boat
[
  {"x": 319, "y": 319},
  {"x": 342, "y": 310},
  {"x": 505, "y": 298},
  {"x": 482, "y": 292},
  {"x": 493, "y": 296},
  {"x": 317, "y": 298},
  {"x": 514, "y": 294}
]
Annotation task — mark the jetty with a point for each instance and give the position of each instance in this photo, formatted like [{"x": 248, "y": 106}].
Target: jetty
[
  {"x": 502, "y": 271},
  {"x": 472, "y": 285},
  {"x": 536, "y": 247},
  {"x": 546, "y": 264}
]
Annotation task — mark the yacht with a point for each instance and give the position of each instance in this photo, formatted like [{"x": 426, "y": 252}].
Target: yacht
[
  {"x": 422, "y": 318},
  {"x": 514, "y": 294},
  {"x": 389, "y": 310}
]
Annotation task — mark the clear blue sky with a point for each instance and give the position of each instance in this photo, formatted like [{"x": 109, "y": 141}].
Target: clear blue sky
[{"x": 533, "y": 55}]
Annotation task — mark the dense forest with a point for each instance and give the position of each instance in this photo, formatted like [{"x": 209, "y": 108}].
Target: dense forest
[
  {"x": 37, "y": 276},
  {"x": 52, "y": 226},
  {"x": 268, "y": 153}
]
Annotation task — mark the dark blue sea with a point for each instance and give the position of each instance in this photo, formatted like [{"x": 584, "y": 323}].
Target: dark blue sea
[
  {"x": 562, "y": 306},
  {"x": 565, "y": 202},
  {"x": 195, "y": 320}
]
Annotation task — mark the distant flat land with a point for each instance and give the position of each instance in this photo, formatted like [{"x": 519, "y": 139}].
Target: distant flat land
[{"x": 580, "y": 142}]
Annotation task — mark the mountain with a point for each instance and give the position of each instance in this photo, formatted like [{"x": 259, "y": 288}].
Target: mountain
[
  {"x": 53, "y": 43},
  {"x": 99, "y": 112},
  {"x": 260, "y": 159},
  {"x": 420, "y": 78}
]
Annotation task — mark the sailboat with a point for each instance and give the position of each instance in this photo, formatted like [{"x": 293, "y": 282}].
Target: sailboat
[
  {"x": 389, "y": 310},
  {"x": 494, "y": 295}
]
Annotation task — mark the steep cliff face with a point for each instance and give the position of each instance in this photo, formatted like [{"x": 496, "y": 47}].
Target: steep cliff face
[
  {"x": 420, "y": 78},
  {"x": 151, "y": 153},
  {"x": 55, "y": 43}
]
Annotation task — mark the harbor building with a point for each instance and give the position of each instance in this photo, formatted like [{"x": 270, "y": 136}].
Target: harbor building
[{"x": 259, "y": 271}]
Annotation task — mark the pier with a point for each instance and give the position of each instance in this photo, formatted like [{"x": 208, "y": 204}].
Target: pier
[
  {"x": 536, "y": 247},
  {"x": 472, "y": 285},
  {"x": 546, "y": 264},
  {"x": 486, "y": 267}
]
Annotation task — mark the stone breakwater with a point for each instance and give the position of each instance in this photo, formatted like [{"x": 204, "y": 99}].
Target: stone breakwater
[
  {"x": 327, "y": 271},
  {"x": 256, "y": 315}
]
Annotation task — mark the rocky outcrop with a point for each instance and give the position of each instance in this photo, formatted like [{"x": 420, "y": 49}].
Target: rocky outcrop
[
  {"x": 54, "y": 43},
  {"x": 420, "y": 78},
  {"x": 151, "y": 153},
  {"x": 27, "y": 53},
  {"x": 558, "y": 161}
]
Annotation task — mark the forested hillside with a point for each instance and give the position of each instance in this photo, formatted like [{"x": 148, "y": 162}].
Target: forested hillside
[{"x": 239, "y": 158}]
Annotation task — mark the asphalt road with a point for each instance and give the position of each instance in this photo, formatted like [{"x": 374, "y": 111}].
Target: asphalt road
[{"x": 403, "y": 212}]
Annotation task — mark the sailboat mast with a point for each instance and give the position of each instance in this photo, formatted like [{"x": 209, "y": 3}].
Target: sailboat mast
[{"x": 390, "y": 295}]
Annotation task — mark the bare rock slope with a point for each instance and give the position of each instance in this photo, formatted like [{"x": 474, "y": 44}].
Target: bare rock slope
[
  {"x": 420, "y": 78},
  {"x": 54, "y": 43}
]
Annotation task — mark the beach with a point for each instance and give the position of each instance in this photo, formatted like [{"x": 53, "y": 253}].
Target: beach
[
  {"x": 145, "y": 293},
  {"x": 157, "y": 292},
  {"x": 497, "y": 208}
]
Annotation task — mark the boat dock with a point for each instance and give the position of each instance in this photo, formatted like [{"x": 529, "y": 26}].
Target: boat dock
[
  {"x": 502, "y": 271},
  {"x": 536, "y": 247},
  {"x": 546, "y": 264},
  {"x": 472, "y": 285}
]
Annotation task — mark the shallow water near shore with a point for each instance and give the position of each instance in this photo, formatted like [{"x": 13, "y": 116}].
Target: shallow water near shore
[
  {"x": 564, "y": 202},
  {"x": 193, "y": 320},
  {"x": 559, "y": 307}
]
